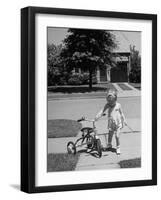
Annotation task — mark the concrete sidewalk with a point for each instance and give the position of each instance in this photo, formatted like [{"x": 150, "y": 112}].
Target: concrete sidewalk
[{"x": 130, "y": 147}]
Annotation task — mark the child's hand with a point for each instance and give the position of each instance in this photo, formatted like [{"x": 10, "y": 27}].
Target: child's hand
[{"x": 125, "y": 123}]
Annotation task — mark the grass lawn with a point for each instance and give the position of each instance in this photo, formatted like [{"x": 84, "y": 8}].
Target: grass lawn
[
  {"x": 63, "y": 128},
  {"x": 80, "y": 88},
  {"x": 62, "y": 162},
  {"x": 131, "y": 163}
]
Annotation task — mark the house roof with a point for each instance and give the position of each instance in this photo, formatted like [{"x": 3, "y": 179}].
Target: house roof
[{"x": 123, "y": 44}]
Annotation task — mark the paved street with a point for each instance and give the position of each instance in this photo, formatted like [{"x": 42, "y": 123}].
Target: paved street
[{"x": 75, "y": 108}]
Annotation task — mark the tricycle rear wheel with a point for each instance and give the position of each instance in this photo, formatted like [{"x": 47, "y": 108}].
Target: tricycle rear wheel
[
  {"x": 71, "y": 148},
  {"x": 98, "y": 147}
]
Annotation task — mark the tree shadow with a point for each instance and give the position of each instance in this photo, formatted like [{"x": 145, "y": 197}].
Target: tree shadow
[
  {"x": 113, "y": 150},
  {"x": 90, "y": 152}
]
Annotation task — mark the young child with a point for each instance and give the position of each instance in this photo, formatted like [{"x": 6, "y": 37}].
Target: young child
[{"x": 115, "y": 116}]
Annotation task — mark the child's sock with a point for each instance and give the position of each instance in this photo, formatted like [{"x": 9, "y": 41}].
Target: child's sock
[{"x": 118, "y": 151}]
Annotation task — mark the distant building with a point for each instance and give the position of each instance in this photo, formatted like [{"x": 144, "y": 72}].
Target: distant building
[{"x": 120, "y": 72}]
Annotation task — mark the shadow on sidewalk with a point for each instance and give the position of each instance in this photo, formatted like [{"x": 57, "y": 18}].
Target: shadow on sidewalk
[
  {"x": 89, "y": 152},
  {"x": 94, "y": 153}
]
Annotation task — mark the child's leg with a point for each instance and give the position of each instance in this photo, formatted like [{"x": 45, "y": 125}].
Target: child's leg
[
  {"x": 110, "y": 135},
  {"x": 117, "y": 136}
]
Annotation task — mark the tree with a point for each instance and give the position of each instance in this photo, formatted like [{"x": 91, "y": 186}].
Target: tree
[
  {"x": 87, "y": 49},
  {"x": 135, "y": 73},
  {"x": 55, "y": 64}
]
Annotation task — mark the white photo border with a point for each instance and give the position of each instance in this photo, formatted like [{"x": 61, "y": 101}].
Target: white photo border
[{"x": 42, "y": 178}]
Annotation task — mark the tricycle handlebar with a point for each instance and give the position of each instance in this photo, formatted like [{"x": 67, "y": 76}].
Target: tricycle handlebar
[
  {"x": 81, "y": 119},
  {"x": 85, "y": 119}
]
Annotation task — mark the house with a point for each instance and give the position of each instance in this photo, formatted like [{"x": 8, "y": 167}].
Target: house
[{"x": 119, "y": 73}]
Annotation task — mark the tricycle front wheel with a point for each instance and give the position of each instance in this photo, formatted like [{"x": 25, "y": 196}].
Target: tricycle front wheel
[{"x": 90, "y": 142}]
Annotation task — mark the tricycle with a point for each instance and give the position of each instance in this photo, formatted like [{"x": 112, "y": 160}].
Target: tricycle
[{"x": 89, "y": 138}]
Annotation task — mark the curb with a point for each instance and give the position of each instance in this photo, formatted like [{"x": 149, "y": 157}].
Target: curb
[{"x": 87, "y": 97}]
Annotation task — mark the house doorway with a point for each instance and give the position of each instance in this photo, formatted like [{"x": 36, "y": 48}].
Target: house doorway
[
  {"x": 103, "y": 75},
  {"x": 119, "y": 73}
]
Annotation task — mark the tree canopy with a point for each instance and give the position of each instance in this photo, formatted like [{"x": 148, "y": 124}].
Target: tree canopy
[
  {"x": 87, "y": 49},
  {"x": 135, "y": 73},
  {"x": 55, "y": 65}
]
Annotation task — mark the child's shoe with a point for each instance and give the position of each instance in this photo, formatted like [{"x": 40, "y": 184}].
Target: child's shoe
[{"x": 118, "y": 151}]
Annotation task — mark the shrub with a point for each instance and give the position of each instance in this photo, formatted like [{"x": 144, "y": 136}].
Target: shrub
[
  {"x": 135, "y": 75},
  {"x": 94, "y": 79},
  {"x": 81, "y": 79},
  {"x": 85, "y": 78},
  {"x": 75, "y": 79},
  {"x": 62, "y": 81},
  {"x": 57, "y": 78},
  {"x": 53, "y": 79}
]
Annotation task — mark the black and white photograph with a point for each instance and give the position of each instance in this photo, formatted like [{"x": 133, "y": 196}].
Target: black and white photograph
[
  {"x": 89, "y": 91},
  {"x": 93, "y": 99}
]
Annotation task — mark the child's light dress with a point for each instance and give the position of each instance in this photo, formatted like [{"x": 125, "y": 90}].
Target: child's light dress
[{"x": 114, "y": 116}]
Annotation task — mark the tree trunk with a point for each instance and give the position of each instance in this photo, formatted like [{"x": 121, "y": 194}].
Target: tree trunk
[{"x": 90, "y": 78}]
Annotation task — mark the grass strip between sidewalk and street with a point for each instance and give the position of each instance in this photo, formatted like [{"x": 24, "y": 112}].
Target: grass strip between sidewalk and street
[
  {"x": 63, "y": 128},
  {"x": 131, "y": 163},
  {"x": 69, "y": 89},
  {"x": 61, "y": 162}
]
